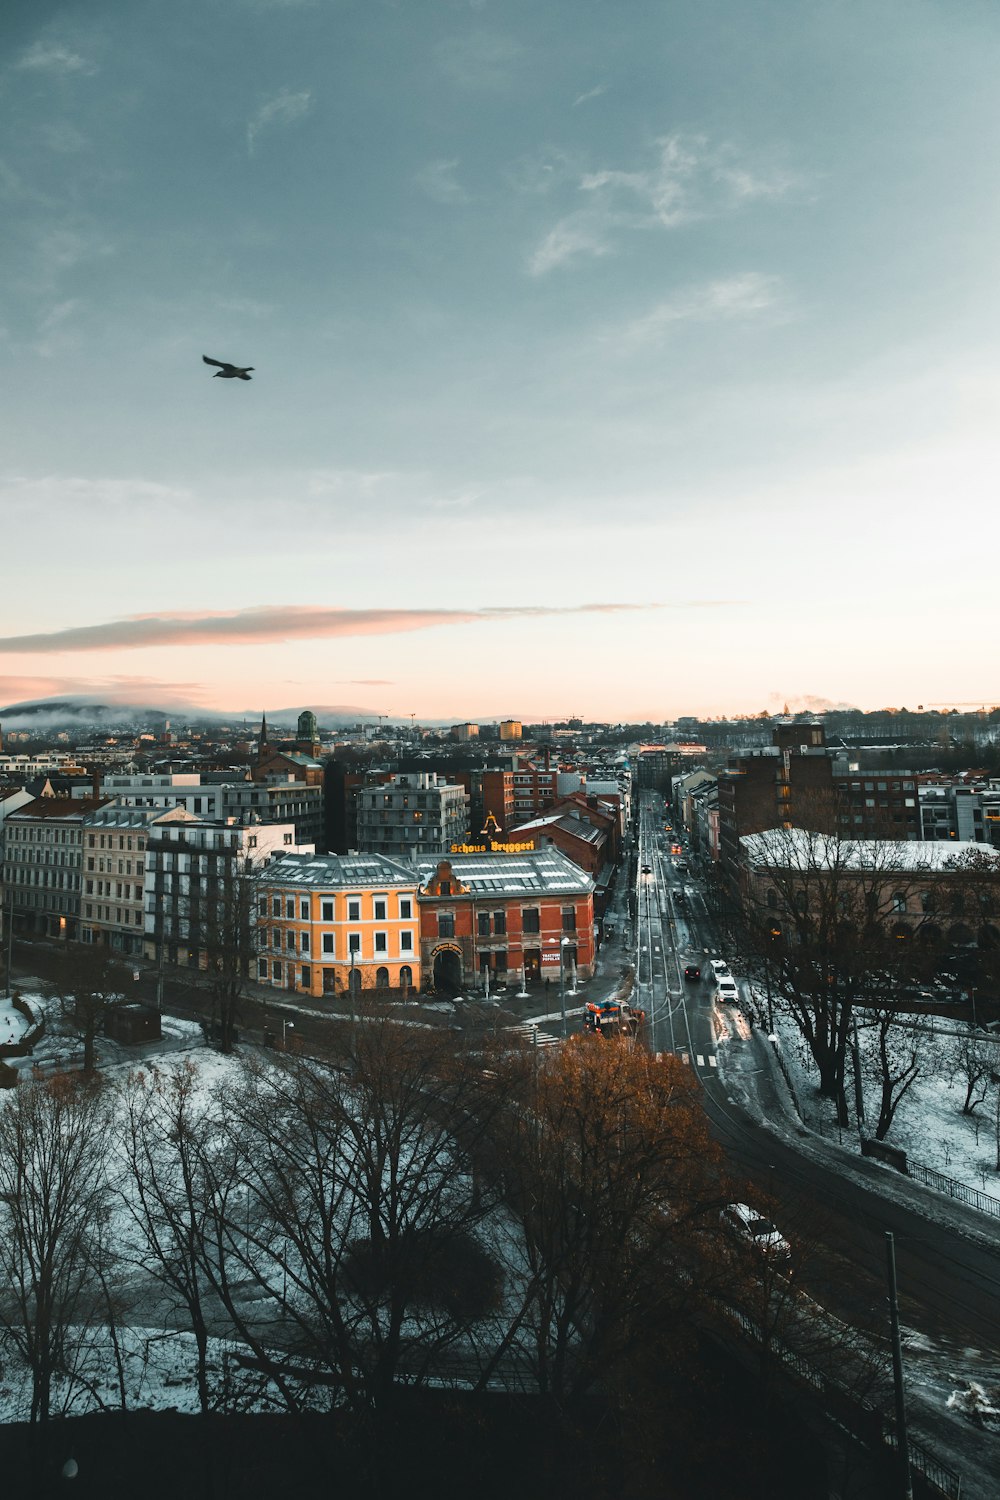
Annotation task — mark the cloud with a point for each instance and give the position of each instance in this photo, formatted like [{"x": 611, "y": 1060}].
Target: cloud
[
  {"x": 284, "y": 109},
  {"x": 46, "y": 493},
  {"x": 51, "y": 326},
  {"x": 479, "y": 60},
  {"x": 732, "y": 297},
  {"x": 113, "y": 689},
  {"x": 52, "y": 57},
  {"x": 805, "y": 703},
  {"x": 576, "y": 235},
  {"x": 538, "y": 172},
  {"x": 437, "y": 179},
  {"x": 282, "y": 623},
  {"x": 594, "y": 93},
  {"x": 688, "y": 179}
]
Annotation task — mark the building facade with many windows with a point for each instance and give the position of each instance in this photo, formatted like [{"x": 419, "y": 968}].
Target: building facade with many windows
[
  {"x": 43, "y": 864},
  {"x": 411, "y": 815},
  {"x": 489, "y": 916},
  {"x": 339, "y": 924}
]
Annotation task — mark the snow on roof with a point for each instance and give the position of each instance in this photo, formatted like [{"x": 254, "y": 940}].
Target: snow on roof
[
  {"x": 538, "y": 872},
  {"x": 339, "y": 871},
  {"x": 798, "y": 848}
]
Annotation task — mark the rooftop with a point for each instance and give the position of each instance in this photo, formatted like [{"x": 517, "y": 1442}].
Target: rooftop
[{"x": 538, "y": 872}]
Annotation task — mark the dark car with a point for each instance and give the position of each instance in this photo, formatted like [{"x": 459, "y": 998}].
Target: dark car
[
  {"x": 646, "y": 870},
  {"x": 692, "y": 971}
]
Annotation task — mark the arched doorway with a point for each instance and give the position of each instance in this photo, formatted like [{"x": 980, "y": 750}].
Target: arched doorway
[
  {"x": 381, "y": 979},
  {"x": 448, "y": 971},
  {"x": 406, "y": 980}
]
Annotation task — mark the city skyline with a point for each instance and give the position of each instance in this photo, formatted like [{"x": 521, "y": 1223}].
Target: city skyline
[{"x": 638, "y": 360}]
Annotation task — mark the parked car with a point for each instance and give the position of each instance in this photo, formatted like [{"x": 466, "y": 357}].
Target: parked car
[
  {"x": 681, "y": 866},
  {"x": 750, "y": 1228},
  {"x": 692, "y": 971},
  {"x": 727, "y": 991}
]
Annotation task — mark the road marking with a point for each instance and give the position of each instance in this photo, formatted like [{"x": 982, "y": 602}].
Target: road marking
[
  {"x": 701, "y": 1061},
  {"x": 713, "y": 1062}
]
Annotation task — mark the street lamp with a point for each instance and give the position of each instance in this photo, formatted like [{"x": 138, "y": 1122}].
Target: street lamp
[
  {"x": 564, "y": 944},
  {"x": 522, "y": 993},
  {"x": 286, "y": 1027}
]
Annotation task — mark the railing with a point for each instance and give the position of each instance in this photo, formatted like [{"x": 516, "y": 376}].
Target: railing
[
  {"x": 776, "y": 1053},
  {"x": 860, "y": 1417},
  {"x": 960, "y": 1190}
]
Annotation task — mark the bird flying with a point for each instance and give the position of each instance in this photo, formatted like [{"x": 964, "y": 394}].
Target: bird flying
[{"x": 228, "y": 372}]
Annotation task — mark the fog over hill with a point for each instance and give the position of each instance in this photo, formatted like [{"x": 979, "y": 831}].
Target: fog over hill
[{"x": 49, "y": 715}]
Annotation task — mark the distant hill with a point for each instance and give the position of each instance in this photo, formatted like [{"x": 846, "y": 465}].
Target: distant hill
[{"x": 49, "y": 715}]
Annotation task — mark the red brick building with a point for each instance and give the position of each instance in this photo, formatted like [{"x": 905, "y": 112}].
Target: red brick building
[{"x": 499, "y": 912}]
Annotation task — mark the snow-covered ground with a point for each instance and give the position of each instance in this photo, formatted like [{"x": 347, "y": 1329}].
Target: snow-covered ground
[
  {"x": 929, "y": 1124},
  {"x": 12, "y": 1024},
  {"x": 944, "y": 1377}
]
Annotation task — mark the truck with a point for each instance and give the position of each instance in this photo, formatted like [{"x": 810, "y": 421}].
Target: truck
[{"x": 612, "y": 1018}]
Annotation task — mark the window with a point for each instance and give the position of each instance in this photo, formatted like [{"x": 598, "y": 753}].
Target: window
[
  {"x": 446, "y": 924},
  {"x": 276, "y": 969},
  {"x": 530, "y": 920},
  {"x": 290, "y": 940},
  {"x": 328, "y": 942},
  {"x": 275, "y": 938},
  {"x": 304, "y": 909},
  {"x": 354, "y": 942},
  {"x": 406, "y": 942},
  {"x": 899, "y": 900},
  {"x": 276, "y": 906},
  {"x": 262, "y": 968},
  {"x": 406, "y": 977},
  {"x": 304, "y": 942},
  {"x": 405, "y": 908},
  {"x": 499, "y": 923},
  {"x": 569, "y": 919},
  {"x": 290, "y": 908},
  {"x": 354, "y": 909},
  {"x": 483, "y": 924},
  {"x": 327, "y": 907},
  {"x": 500, "y": 961},
  {"x": 381, "y": 979},
  {"x": 380, "y": 908},
  {"x": 306, "y": 977},
  {"x": 381, "y": 942}
]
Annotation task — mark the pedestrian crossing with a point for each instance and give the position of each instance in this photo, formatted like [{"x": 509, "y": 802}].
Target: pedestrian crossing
[{"x": 533, "y": 1035}]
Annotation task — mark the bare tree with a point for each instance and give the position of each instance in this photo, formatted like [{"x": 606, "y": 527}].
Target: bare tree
[
  {"x": 831, "y": 923},
  {"x": 90, "y": 983},
  {"x": 167, "y": 1125},
  {"x": 231, "y": 941},
  {"x": 973, "y": 1058},
  {"x": 54, "y": 1202},
  {"x": 893, "y": 1053},
  {"x": 355, "y": 1208}
]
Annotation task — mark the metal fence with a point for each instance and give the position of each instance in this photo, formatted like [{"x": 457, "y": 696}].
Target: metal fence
[
  {"x": 863, "y": 1420},
  {"x": 959, "y": 1190}
]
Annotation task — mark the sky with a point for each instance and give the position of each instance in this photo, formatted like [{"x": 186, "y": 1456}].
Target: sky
[{"x": 615, "y": 358}]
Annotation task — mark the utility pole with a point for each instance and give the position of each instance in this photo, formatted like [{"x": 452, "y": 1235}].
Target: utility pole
[
  {"x": 902, "y": 1442},
  {"x": 10, "y": 941},
  {"x": 159, "y": 960}
]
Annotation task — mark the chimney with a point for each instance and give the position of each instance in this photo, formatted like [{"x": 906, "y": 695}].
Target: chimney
[{"x": 95, "y": 783}]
